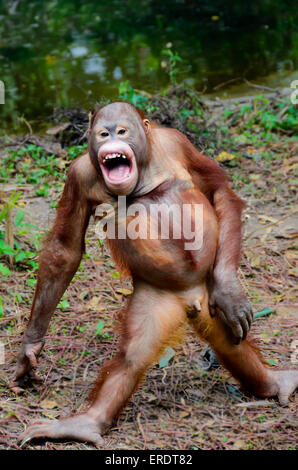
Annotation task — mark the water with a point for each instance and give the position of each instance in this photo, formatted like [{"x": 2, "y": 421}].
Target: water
[{"x": 72, "y": 53}]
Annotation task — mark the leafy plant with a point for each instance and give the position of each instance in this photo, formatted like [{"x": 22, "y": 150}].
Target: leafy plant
[
  {"x": 14, "y": 230},
  {"x": 172, "y": 64},
  {"x": 127, "y": 93}
]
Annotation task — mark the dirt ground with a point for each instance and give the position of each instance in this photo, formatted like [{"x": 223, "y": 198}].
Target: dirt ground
[{"x": 181, "y": 406}]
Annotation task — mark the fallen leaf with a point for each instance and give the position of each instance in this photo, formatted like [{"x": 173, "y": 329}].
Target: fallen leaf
[
  {"x": 184, "y": 414},
  {"x": 291, "y": 254},
  {"x": 267, "y": 218},
  {"x": 49, "y": 404},
  {"x": 239, "y": 444},
  {"x": 264, "y": 312},
  {"x": 51, "y": 414},
  {"x": 100, "y": 326},
  {"x": 169, "y": 353},
  {"x": 93, "y": 304},
  {"x": 255, "y": 262},
  {"x": 118, "y": 296},
  {"x": 272, "y": 362},
  {"x": 225, "y": 157},
  {"x": 264, "y": 338},
  {"x": 124, "y": 291},
  {"x": 62, "y": 163},
  {"x": 209, "y": 423},
  {"x": 290, "y": 167}
]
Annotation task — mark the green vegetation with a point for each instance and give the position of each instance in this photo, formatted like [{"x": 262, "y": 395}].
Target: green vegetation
[
  {"x": 16, "y": 233},
  {"x": 81, "y": 51},
  {"x": 30, "y": 165}
]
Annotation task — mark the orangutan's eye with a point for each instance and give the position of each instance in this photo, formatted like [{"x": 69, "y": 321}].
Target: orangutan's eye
[
  {"x": 121, "y": 131},
  {"x": 104, "y": 134}
]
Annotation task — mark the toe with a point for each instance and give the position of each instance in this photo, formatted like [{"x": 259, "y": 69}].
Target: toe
[
  {"x": 41, "y": 428},
  {"x": 34, "y": 376},
  {"x": 30, "y": 433},
  {"x": 16, "y": 389},
  {"x": 283, "y": 399}
]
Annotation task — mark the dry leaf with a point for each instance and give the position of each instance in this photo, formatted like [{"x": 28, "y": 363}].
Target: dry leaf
[
  {"x": 239, "y": 444},
  {"x": 209, "y": 423},
  {"x": 51, "y": 414},
  {"x": 94, "y": 304},
  {"x": 184, "y": 414},
  {"x": 291, "y": 254},
  {"x": 62, "y": 163},
  {"x": 124, "y": 291},
  {"x": 118, "y": 296},
  {"x": 225, "y": 157},
  {"x": 49, "y": 404},
  {"x": 255, "y": 261},
  {"x": 267, "y": 218}
]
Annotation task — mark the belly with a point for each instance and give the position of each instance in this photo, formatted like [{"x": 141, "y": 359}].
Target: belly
[{"x": 171, "y": 243}]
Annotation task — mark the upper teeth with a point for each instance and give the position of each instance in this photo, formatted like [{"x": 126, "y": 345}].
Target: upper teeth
[{"x": 113, "y": 155}]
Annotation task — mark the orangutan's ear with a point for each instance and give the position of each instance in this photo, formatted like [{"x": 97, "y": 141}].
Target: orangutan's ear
[
  {"x": 146, "y": 124},
  {"x": 91, "y": 116}
]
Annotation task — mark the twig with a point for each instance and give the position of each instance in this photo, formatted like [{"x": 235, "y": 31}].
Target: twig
[
  {"x": 227, "y": 83},
  {"x": 266, "y": 226},
  {"x": 141, "y": 429},
  {"x": 28, "y": 125},
  {"x": 260, "y": 87}
]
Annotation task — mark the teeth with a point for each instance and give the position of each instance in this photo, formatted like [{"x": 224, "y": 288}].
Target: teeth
[{"x": 114, "y": 155}]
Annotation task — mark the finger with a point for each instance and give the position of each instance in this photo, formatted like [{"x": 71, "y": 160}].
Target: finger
[
  {"x": 237, "y": 330},
  {"x": 234, "y": 326},
  {"x": 238, "y": 334},
  {"x": 245, "y": 327},
  {"x": 251, "y": 315},
  {"x": 249, "y": 319}
]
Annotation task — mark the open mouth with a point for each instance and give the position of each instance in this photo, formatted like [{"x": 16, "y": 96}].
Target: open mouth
[{"x": 117, "y": 167}]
